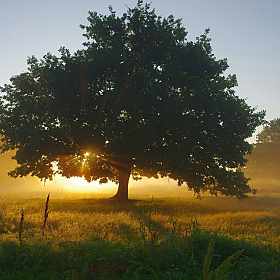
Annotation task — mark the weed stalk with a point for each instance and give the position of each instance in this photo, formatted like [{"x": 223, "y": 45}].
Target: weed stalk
[
  {"x": 46, "y": 214},
  {"x": 176, "y": 229},
  {"x": 222, "y": 272},
  {"x": 20, "y": 232}
]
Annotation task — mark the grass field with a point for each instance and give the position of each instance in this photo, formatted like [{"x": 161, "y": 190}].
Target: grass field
[{"x": 153, "y": 237}]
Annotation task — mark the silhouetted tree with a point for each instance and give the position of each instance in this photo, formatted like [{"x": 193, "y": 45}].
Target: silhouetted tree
[
  {"x": 140, "y": 99},
  {"x": 264, "y": 162}
]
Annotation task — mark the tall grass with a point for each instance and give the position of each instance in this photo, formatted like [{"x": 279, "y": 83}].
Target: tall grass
[{"x": 145, "y": 239}]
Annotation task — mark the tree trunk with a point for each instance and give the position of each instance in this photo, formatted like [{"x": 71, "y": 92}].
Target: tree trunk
[{"x": 122, "y": 193}]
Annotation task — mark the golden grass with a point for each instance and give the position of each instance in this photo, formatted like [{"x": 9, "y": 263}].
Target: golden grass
[{"x": 256, "y": 219}]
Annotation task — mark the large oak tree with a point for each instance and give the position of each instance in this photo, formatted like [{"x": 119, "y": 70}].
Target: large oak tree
[{"x": 139, "y": 99}]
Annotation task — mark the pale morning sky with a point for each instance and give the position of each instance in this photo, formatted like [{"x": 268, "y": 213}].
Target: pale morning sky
[{"x": 246, "y": 32}]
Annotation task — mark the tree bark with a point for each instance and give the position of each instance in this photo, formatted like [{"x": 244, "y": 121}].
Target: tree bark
[{"x": 122, "y": 193}]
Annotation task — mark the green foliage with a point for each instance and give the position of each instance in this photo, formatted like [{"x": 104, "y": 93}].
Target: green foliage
[
  {"x": 139, "y": 98},
  {"x": 176, "y": 228}
]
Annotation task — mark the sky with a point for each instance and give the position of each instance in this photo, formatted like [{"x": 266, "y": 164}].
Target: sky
[{"x": 246, "y": 32}]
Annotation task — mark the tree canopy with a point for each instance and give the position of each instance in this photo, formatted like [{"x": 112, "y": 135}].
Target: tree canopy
[
  {"x": 264, "y": 162},
  {"x": 139, "y": 99}
]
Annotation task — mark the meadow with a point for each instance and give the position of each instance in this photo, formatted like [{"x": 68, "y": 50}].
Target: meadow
[{"x": 164, "y": 236}]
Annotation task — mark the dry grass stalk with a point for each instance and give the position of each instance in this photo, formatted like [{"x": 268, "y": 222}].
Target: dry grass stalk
[
  {"x": 46, "y": 214},
  {"x": 20, "y": 232}
]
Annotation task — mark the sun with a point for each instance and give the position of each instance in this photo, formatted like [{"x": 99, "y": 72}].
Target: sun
[
  {"x": 86, "y": 154},
  {"x": 79, "y": 184}
]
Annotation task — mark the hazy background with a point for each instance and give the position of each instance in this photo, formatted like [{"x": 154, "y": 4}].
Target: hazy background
[{"x": 244, "y": 31}]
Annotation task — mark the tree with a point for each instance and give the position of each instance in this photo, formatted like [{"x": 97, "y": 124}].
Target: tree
[
  {"x": 139, "y": 99},
  {"x": 264, "y": 162}
]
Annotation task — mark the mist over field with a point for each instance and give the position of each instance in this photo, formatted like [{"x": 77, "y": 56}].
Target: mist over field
[{"x": 61, "y": 186}]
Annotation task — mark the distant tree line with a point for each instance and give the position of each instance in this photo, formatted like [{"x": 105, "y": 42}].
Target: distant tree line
[{"x": 264, "y": 162}]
